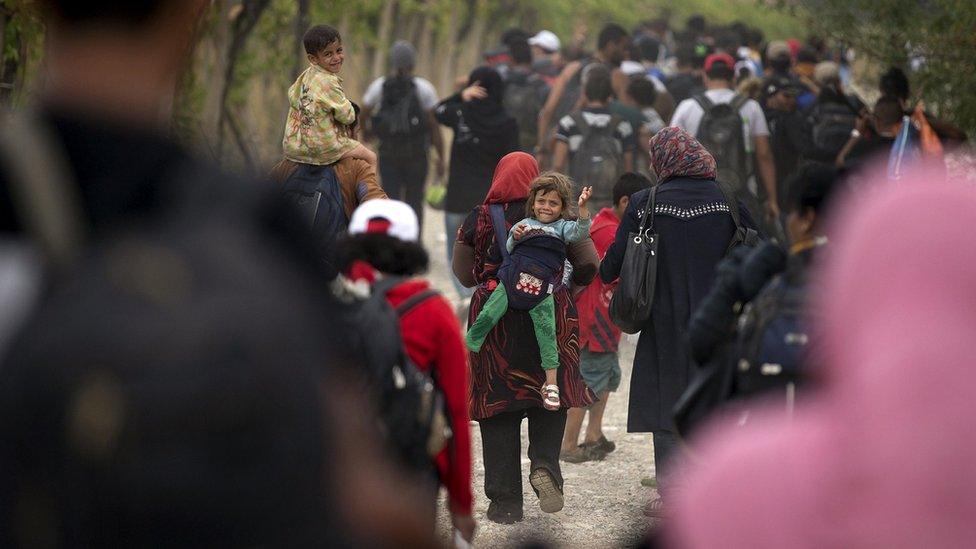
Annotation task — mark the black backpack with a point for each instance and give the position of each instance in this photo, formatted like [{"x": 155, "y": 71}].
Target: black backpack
[
  {"x": 411, "y": 408},
  {"x": 831, "y": 125},
  {"x": 720, "y": 132},
  {"x": 523, "y": 100},
  {"x": 401, "y": 123},
  {"x": 598, "y": 161},
  {"x": 534, "y": 268},
  {"x": 315, "y": 193}
]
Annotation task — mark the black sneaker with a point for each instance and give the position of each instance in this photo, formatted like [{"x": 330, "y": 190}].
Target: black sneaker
[
  {"x": 550, "y": 495},
  {"x": 504, "y": 513}
]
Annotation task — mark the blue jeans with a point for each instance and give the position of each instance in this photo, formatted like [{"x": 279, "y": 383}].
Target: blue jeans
[{"x": 453, "y": 222}]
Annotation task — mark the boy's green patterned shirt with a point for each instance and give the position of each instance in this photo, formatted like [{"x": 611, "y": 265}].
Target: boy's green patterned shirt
[{"x": 316, "y": 104}]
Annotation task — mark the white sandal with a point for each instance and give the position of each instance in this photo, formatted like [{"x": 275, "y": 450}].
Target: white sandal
[{"x": 550, "y": 394}]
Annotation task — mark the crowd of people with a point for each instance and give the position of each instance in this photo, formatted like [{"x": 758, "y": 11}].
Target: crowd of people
[{"x": 190, "y": 358}]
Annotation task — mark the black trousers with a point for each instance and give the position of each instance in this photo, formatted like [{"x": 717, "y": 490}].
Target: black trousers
[
  {"x": 502, "y": 446},
  {"x": 403, "y": 179},
  {"x": 667, "y": 448}
]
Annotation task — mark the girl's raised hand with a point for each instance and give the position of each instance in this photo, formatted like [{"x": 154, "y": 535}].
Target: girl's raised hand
[{"x": 585, "y": 195}]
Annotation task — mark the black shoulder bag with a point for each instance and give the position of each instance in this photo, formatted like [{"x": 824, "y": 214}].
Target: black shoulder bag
[{"x": 630, "y": 306}]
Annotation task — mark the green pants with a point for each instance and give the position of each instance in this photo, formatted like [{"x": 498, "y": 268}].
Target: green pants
[{"x": 543, "y": 321}]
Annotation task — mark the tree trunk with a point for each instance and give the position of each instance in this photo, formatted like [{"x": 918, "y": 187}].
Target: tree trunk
[
  {"x": 301, "y": 25},
  {"x": 383, "y": 38},
  {"x": 244, "y": 25}
]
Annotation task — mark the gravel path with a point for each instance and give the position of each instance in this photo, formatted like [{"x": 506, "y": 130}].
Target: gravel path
[{"x": 604, "y": 499}]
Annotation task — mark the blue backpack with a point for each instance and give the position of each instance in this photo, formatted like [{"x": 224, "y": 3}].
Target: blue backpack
[
  {"x": 534, "y": 268},
  {"x": 773, "y": 339}
]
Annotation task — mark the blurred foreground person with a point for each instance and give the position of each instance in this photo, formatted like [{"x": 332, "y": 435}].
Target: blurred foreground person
[
  {"x": 179, "y": 378},
  {"x": 764, "y": 351},
  {"x": 383, "y": 251},
  {"x": 883, "y": 455}
]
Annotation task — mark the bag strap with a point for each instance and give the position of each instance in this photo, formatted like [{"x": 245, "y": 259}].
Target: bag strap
[
  {"x": 413, "y": 301},
  {"x": 732, "y": 203},
  {"x": 41, "y": 186},
  {"x": 497, "y": 212},
  {"x": 704, "y": 102},
  {"x": 648, "y": 210},
  {"x": 738, "y": 101},
  {"x": 581, "y": 123}
]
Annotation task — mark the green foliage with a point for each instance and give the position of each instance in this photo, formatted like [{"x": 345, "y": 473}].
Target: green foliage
[{"x": 937, "y": 34}]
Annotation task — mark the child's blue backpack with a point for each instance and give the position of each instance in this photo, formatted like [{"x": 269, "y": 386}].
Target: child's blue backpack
[{"x": 534, "y": 268}]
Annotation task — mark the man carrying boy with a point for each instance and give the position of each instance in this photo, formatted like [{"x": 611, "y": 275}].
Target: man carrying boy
[
  {"x": 317, "y": 104},
  {"x": 599, "y": 337}
]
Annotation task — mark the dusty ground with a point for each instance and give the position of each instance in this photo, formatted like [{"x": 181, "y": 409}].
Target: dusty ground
[{"x": 604, "y": 500}]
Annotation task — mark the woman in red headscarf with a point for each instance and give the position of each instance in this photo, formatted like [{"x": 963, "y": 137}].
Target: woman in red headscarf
[
  {"x": 694, "y": 226},
  {"x": 507, "y": 373}
]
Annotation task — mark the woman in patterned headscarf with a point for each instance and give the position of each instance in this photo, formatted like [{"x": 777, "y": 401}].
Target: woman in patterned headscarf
[{"x": 694, "y": 226}]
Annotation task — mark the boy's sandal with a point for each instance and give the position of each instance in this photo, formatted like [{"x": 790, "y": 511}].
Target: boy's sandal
[{"x": 550, "y": 397}]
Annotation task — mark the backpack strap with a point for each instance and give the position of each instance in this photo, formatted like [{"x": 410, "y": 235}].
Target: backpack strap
[
  {"x": 704, "y": 102},
  {"x": 732, "y": 203},
  {"x": 41, "y": 186},
  {"x": 497, "y": 212},
  {"x": 413, "y": 301},
  {"x": 581, "y": 123},
  {"x": 738, "y": 101}
]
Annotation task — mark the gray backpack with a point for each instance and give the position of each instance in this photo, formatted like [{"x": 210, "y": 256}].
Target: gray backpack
[
  {"x": 720, "y": 132},
  {"x": 599, "y": 160}
]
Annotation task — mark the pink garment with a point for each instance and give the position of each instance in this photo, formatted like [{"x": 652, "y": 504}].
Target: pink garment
[{"x": 885, "y": 454}]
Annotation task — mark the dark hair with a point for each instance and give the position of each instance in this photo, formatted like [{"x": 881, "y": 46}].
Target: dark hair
[
  {"x": 385, "y": 253},
  {"x": 629, "y": 183},
  {"x": 780, "y": 64},
  {"x": 687, "y": 57},
  {"x": 729, "y": 42},
  {"x": 888, "y": 110},
  {"x": 754, "y": 37},
  {"x": 521, "y": 52},
  {"x": 512, "y": 36},
  {"x": 812, "y": 188},
  {"x": 895, "y": 83},
  {"x": 598, "y": 85},
  {"x": 720, "y": 71},
  {"x": 319, "y": 37},
  {"x": 696, "y": 23},
  {"x": 648, "y": 48},
  {"x": 610, "y": 33},
  {"x": 128, "y": 12},
  {"x": 642, "y": 91},
  {"x": 807, "y": 55}
]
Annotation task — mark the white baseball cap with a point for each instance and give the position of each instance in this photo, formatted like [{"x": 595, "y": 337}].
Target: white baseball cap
[
  {"x": 384, "y": 216},
  {"x": 546, "y": 40},
  {"x": 631, "y": 68}
]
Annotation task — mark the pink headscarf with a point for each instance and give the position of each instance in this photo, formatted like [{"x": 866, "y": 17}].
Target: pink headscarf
[
  {"x": 675, "y": 153},
  {"x": 885, "y": 454}
]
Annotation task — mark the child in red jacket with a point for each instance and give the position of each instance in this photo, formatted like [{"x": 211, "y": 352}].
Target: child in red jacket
[
  {"x": 383, "y": 242},
  {"x": 599, "y": 337}
]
